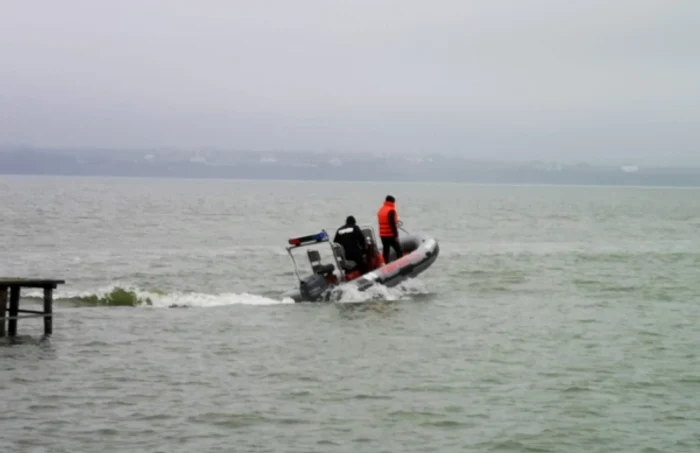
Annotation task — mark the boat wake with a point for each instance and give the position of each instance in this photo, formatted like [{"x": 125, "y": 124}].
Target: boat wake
[
  {"x": 129, "y": 296},
  {"x": 349, "y": 294}
]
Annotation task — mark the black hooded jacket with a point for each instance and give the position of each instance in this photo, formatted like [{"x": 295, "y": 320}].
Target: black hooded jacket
[{"x": 352, "y": 240}]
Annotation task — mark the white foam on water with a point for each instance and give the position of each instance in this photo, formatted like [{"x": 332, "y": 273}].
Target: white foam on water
[
  {"x": 213, "y": 300},
  {"x": 165, "y": 300},
  {"x": 350, "y": 294}
]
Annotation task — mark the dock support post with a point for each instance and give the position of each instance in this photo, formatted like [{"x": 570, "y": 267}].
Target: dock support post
[
  {"x": 14, "y": 311},
  {"x": 3, "y": 310},
  {"x": 48, "y": 311}
]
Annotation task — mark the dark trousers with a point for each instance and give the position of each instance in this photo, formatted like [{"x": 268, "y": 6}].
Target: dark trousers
[
  {"x": 387, "y": 244},
  {"x": 360, "y": 261}
]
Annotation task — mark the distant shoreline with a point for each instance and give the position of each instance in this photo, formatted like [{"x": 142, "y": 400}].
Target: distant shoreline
[
  {"x": 351, "y": 181},
  {"x": 333, "y": 167}
]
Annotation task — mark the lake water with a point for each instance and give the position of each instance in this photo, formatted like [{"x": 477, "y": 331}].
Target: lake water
[{"x": 556, "y": 319}]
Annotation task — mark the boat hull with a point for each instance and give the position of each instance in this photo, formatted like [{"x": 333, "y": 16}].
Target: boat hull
[{"x": 420, "y": 252}]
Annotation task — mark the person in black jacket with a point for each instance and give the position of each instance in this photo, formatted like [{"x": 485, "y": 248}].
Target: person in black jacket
[{"x": 353, "y": 241}]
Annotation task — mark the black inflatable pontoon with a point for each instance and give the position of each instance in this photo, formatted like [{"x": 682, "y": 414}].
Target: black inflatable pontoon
[{"x": 420, "y": 252}]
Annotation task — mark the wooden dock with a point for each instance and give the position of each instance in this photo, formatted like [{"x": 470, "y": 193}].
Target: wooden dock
[{"x": 11, "y": 313}]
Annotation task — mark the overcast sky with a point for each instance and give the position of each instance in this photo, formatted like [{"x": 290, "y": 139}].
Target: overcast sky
[{"x": 519, "y": 79}]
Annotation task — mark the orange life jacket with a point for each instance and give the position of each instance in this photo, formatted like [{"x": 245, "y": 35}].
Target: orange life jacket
[{"x": 383, "y": 219}]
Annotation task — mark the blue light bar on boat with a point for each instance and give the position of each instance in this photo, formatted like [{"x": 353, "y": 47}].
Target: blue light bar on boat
[{"x": 319, "y": 237}]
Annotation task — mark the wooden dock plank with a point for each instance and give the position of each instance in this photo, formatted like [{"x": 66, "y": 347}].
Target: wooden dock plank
[
  {"x": 3, "y": 309},
  {"x": 48, "y": 311},
  {"x": 13, "y": 312},
  {"x": 30, "y": 282},
  {"x": 38, "y": 315}
]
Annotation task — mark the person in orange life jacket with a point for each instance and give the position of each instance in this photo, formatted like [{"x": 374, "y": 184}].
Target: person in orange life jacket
[
  {"x": 388, "y": 220},
  {"x": 353, "y": 241}
]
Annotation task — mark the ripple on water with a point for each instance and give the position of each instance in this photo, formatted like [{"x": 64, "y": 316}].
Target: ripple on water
[{"x": 558, "y": 320}]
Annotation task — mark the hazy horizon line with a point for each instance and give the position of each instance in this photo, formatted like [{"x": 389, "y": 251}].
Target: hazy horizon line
[
  {"x": 354, "y": 181},
  {"x": 457, "y": 154}
]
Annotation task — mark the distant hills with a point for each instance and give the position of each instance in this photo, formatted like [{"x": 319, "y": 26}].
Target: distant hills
[{"x": 328, "y": 166}]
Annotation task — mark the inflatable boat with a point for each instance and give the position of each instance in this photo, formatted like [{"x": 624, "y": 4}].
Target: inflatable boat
[{"x": 419, "y": 253}]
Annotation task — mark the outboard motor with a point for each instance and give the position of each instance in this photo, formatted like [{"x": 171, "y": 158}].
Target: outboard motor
[{"x": 312, "y": 287}]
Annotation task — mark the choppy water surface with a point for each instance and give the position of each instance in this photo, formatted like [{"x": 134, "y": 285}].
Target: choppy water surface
[{"x": 557, "y": 319}]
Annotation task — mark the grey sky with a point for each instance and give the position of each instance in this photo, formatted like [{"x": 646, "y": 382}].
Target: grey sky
[{"x": 502, "y": 78}]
